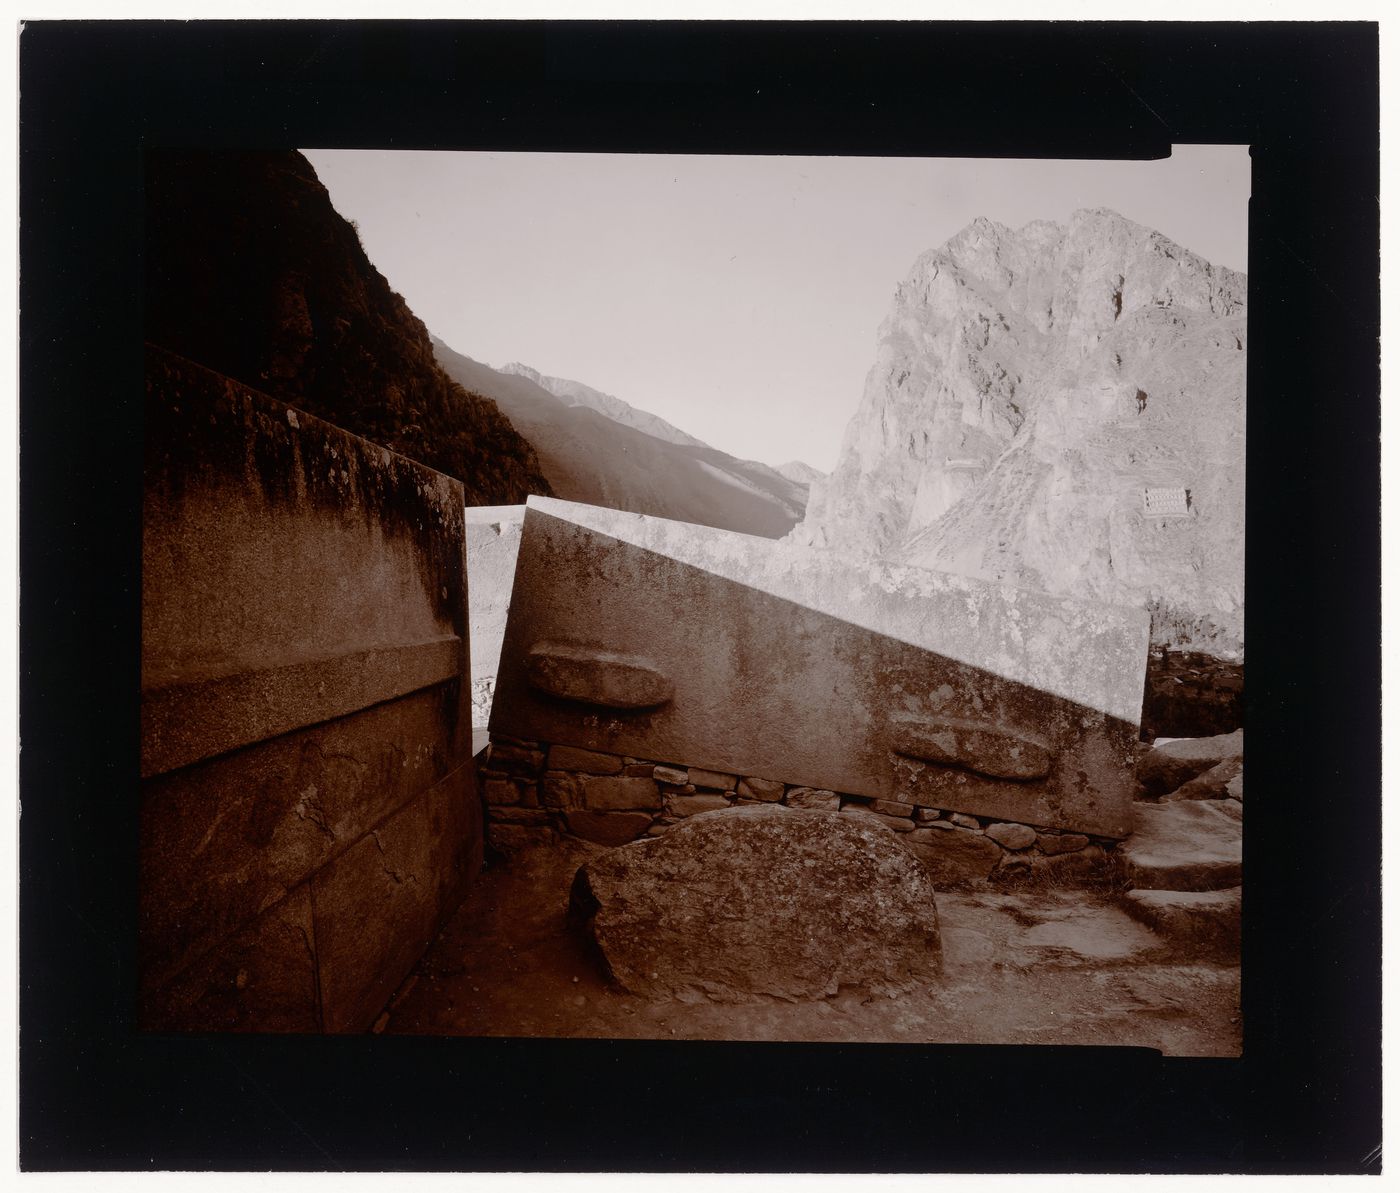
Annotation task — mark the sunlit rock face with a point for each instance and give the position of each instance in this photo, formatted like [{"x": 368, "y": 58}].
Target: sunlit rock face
[{"x": 1029, "y": 388}]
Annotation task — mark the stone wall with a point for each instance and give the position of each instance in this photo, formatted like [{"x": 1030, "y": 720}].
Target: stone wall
[
  {"x": 641, "y": 637},
  {"x": 1189, "y": 693},
  {"x": 493, "y": 540},
  {"x": 536, "y": 791},
  {"x": 309, "y": 810}
]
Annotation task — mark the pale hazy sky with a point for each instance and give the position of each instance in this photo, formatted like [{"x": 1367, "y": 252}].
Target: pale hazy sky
[{"x": 736, "y": 297}]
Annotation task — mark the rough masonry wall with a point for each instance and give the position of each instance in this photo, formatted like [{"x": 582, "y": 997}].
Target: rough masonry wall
[
  {"x": 535, "y": 792},
  {"x": 641, "y": 637},
  {"x": 309, "y": 811}
]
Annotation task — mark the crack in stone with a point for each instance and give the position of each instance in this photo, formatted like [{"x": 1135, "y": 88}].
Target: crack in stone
[
  {"x": 308, "y": 807},
  {"x": 306, "y": 940}
]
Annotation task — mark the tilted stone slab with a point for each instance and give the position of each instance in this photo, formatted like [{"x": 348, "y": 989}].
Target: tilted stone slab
[
  {"x": 1170, "y": 764},
  {"x": 1084, "y": 651},
  {"x": 761, "y": 900},
  {"x": 1210, "y": 784},
  {"x": 746, "y": 656}
]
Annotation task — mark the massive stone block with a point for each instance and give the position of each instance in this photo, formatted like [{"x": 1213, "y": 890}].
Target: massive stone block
[
  {"x": 261, "y": 978},
  {"x": 222, "y": 838},
  {"x": 291, "y": 572},
  {"x": 379, "y": 904},
  {"x": 746, "y": 656},
  {"x": 303, "y": 692}
]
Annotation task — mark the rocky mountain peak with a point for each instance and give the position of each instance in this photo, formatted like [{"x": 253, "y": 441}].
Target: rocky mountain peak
[
  {"x": 523, "y": 370},
  {"x": 1030, "y": 389}
]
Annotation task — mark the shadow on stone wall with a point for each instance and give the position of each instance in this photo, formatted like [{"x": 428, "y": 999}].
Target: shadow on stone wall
[{"x": 308, "y": 803}]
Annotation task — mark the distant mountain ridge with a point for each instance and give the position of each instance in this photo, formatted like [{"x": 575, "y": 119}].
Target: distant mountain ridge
[
  {"x": 801, "y": 473},
  {"x": 1061, "y": 407},
  {"x": 587, "y": 455},
  {"x": 575, "y": 393}
]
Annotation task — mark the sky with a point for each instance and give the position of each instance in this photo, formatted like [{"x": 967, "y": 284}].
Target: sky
[{"x": 736, "y": 297}]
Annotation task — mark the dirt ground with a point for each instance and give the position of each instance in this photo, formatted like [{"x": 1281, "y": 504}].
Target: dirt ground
[{"x": 1057, "y": 967}]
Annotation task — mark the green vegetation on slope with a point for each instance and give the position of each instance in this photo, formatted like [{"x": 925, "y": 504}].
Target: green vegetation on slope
[{"x": 251, "y": 272}]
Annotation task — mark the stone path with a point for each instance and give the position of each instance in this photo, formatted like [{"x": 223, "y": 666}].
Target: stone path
[
  {"x": 1045, "y": 967},
  {"x": 1155, "y": 966},
  {"x": 1191, "y": 845},
  {"x": 1185, "y": 857},
  {"x": 1204, "y": 924}
]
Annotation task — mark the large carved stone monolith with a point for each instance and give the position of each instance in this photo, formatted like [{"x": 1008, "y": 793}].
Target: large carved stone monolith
[{"x": 677, "y": 643}]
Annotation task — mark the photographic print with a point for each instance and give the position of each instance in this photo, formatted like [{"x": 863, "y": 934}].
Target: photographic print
[
  {"x": 607, "y": 596},
  {"x": 695, "y": 597}
]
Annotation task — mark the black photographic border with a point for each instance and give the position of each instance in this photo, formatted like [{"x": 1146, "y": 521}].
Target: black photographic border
[{"x": 1305, "y": 1097}]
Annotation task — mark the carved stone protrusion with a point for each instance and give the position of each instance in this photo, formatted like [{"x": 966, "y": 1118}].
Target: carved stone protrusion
[
  {"x": 977, "y": 746},
  {"x": 589, "y": 675}
]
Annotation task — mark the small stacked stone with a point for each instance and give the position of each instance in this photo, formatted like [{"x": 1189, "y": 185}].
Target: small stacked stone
[
  {"x": 958, "y": 848},
  {"x": 535, "y": 791}
]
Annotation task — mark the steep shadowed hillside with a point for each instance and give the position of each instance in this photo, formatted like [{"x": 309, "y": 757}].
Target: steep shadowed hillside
[
  {"x": 589, "y": 457},
  {"x": 252, "y": 273}
]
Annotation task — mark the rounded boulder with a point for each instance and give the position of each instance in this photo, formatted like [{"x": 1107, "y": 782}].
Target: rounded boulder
[{"x": 761, "y": 900}]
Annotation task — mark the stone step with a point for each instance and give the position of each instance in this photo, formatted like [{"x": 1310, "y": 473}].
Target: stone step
[
  {"x": 1192, "y": 845},
  {"x": 1201, "y": 925}
]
